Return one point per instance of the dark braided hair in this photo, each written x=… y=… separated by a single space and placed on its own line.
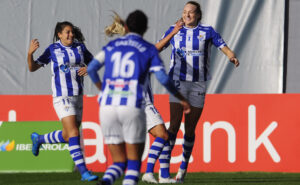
x=198 y=9
x=76 y=31
x=137 y=22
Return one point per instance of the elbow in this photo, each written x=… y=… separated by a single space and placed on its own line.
x=164 y=82
x=158 y=47
x=89 y=69
x=32 y=66
x=31 y=69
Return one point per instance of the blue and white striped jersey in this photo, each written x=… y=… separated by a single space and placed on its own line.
x=190 y=56
x=65 y=62
x=128 y=60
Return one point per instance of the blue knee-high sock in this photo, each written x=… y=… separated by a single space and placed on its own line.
x=188 y=144
x=154 y=152
x=132 y=173
x=52 y=137
x=114 y=172
x=76 y=154
x=164 y=160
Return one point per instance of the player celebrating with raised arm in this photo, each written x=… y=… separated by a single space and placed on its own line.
x=68 y=57
x=160 y=148
x=127 y=61
x=189 y=69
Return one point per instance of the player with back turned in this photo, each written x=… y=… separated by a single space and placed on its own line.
x=127 y=61
x=160 y=148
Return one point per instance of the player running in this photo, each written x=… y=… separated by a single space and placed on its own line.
x=68 y=57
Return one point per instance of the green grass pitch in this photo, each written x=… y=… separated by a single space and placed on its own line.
x=236 y=178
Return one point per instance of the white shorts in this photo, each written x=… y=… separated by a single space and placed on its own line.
x=68 y=106
x=123 y=124
x=153 y=117
x=194 y=92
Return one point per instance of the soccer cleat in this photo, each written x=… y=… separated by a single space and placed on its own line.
x=180 y=175
x=88 y=176
x=167 y=180
x=149 y=178
x=35 y=144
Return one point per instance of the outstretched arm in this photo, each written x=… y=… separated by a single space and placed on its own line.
x=93 y=68
x=231 y=56
x=163 y=42
x=34 y=45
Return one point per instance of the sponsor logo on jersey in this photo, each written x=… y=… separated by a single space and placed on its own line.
x=182 y=52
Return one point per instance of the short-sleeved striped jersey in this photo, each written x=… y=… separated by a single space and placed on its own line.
x=128 y=60
x=190 y=56
x=65 y=62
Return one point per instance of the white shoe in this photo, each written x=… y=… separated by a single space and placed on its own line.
x=180 y=175
x=149 y=178
x=167 y=180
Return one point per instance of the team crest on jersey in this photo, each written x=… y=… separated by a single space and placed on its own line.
x=201 y=37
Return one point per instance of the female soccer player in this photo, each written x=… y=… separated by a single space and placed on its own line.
x=189 y=70
x=127 y=60
x=69 y=57
x=160 y=148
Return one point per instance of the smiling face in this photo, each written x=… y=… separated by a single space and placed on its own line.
x=190 y=16
x=66 y=36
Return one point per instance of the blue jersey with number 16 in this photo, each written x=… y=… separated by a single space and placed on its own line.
x=128 y=60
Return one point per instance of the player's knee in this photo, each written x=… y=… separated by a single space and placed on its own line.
x=70 y=133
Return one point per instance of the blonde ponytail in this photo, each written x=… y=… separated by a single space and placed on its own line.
x=117 y=27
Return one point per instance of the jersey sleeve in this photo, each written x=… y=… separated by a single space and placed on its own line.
x=45 y=58
x=217 y=39
x=156 y=62
x=88 y=57
x=100 y=57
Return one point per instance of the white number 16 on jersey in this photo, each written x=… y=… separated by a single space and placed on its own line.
x=123 y=66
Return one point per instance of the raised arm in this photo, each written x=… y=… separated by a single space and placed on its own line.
x=163 y=42
x=34 y=45
x=231 y=56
